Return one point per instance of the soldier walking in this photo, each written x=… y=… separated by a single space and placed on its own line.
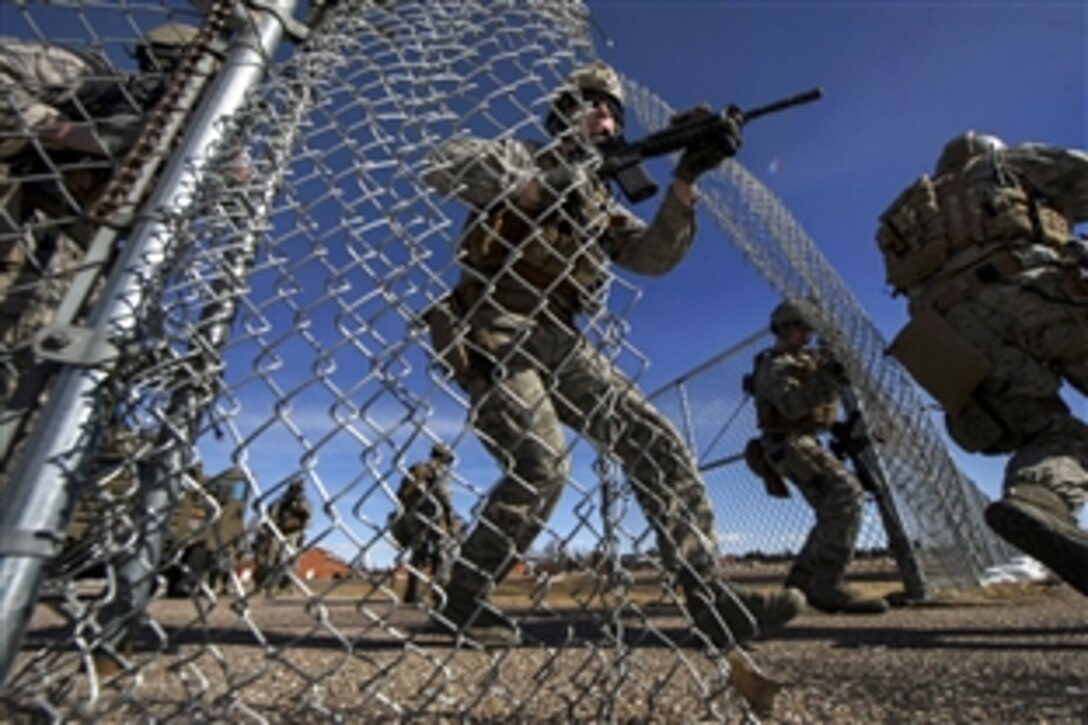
x=425 y=523
x=796 y=391
x=997 y=285
x=535 y=255
x=291 y=514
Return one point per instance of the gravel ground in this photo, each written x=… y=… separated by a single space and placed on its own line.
x=1017 y=655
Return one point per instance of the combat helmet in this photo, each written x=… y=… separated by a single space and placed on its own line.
x=441 y=453
x=792 y=312
x=595 y=79
x=961 y=149
x=162 y=48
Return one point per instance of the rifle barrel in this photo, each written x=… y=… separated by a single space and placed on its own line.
x=813 y=94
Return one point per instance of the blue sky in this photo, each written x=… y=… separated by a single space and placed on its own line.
x=899 y=80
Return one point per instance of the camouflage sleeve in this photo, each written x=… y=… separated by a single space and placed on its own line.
x=27 y=70
x=777 y=383
x=445 y=499
x=1060 y=175
x=656 y=249
x=477 y=171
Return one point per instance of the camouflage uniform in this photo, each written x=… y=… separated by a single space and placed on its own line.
x=36 y=79
x=427 y=525
x=511 y=341
x=43 y=85
x=291 y=514
x=796 y=391
x=985 y=252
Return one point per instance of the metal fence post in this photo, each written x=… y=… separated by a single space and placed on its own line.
x=44 y=484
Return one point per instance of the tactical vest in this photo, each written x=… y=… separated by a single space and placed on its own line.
x=770 y=420
x=292 y=515
x=557 y=255
x=982 y=205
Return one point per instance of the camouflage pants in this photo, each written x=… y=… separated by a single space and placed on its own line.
x=835 y=496
x=1035 y=335
x=273 y=559
x=544 y=376
x=428 y=554
x=35 y=270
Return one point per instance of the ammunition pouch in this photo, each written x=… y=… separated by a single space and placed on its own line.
x=940 y=360
x=946 y=293
x=976 y=430
x=912 y=236
x=757 y=463
x=933 y=220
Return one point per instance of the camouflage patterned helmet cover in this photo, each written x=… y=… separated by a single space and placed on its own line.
x=961 y=149
x=163 y=46
x=441 y=453
x=792 y=312
x=596 y=76
x=593 y=77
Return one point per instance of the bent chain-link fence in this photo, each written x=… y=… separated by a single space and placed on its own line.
x=938 y=510
x=257 y=323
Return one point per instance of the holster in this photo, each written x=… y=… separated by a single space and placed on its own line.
x=757 y=463
x=940 y=360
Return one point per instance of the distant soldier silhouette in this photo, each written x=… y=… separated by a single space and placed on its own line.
x=425 y=523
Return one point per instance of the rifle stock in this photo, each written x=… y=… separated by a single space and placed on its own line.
x=623 y=159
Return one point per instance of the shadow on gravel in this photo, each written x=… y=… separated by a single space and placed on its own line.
x=1057 y=639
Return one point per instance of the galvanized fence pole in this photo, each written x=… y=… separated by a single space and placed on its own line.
x=44 y=485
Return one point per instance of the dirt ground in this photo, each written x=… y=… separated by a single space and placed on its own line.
x=1012 y=654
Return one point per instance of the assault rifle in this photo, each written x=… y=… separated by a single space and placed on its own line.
x=623 y=160
x=848 y=438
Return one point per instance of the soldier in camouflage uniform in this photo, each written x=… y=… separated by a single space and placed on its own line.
x=68 y=110
x=74 y=100
x=425 y=523
x=291 y=513
x=534 y=256
x=796 y=391
x=998 y=290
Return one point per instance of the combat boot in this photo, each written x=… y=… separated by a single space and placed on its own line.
x=477 y=623
x=798 y=578
x=738 y=615
x=837 y=597
x=1037 y=521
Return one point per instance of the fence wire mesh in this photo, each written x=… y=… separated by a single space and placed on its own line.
x=256 y=325
x=938 y=506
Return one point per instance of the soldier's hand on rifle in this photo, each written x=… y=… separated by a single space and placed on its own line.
x=836 y=370
x=703 y=156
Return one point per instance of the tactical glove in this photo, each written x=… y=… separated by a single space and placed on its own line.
x=699 y=158
x=835 y=370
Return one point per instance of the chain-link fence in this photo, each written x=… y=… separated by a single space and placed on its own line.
x=938 y=508
x=219 y=293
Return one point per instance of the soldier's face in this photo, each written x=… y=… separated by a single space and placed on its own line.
x=594 y=117
x=798 y=336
